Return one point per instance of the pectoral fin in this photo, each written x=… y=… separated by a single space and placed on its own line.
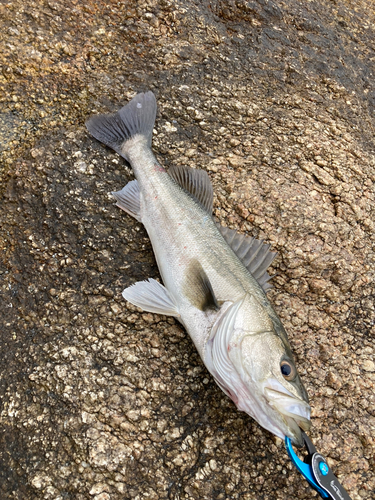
x=152 y=297
x=198 y=288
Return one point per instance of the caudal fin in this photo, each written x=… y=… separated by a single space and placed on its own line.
x=136 y=118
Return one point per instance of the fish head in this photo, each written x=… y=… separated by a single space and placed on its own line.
x=267 y=368
x=255 y=367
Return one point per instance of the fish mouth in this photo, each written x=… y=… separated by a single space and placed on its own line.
x=295 y=412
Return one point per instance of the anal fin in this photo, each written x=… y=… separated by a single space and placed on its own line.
x=128 y=199
x=152 y=297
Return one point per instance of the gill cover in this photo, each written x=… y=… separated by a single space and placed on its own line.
x=244 y=317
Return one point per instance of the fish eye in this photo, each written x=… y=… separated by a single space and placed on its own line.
x=288 y=370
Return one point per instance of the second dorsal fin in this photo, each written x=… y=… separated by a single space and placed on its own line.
x=196 y=182
x=254 y=254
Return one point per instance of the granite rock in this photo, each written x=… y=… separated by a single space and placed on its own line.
x=276 y=101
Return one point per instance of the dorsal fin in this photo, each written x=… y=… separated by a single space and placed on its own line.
x=198 y=288
x=196 y=182
x=253 y=253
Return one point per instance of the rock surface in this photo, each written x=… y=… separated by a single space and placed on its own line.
x=276 y=101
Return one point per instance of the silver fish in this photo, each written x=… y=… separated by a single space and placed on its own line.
x=214 y=279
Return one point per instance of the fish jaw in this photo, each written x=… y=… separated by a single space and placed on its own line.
x=287 y=404
x=294 y=412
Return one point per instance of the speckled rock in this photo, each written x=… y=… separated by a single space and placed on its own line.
x=276 y=101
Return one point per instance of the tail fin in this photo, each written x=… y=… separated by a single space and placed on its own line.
x=136 y=118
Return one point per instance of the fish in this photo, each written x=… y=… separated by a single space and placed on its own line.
x=214 y=280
